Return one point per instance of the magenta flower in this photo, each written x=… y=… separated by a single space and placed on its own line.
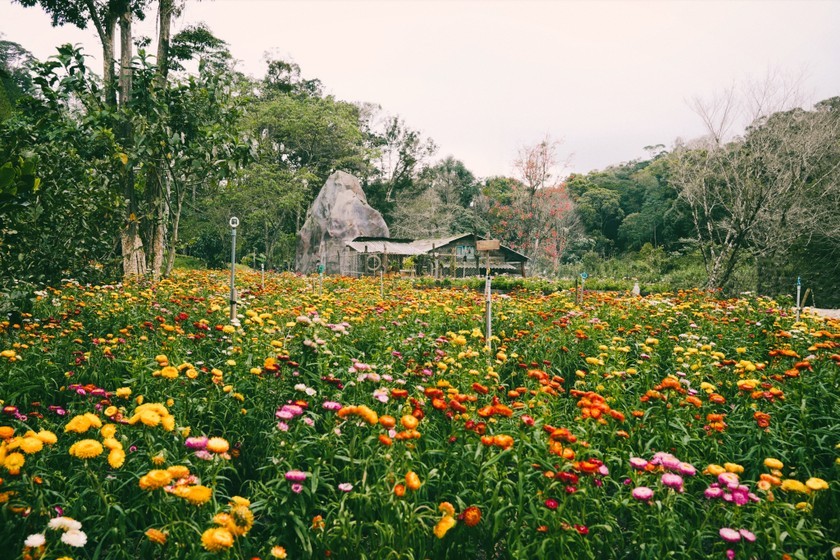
x=730 y=480
x=295 y=476
x=297 y=488
x=196 y=442
x=551 y=503
x=730 y=554
x=730 y=535
x=642 y=493
x=332 y=405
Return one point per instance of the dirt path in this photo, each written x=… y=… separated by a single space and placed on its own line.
x=831 y=313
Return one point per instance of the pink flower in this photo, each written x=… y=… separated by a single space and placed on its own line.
x=749 y=536
x=713 y=492
x=295 y=476
x=730 y=535
x=345 y=486
x=687 y=469
x=642 y=493
x=672 y=480
x=196 y=442
x=730 y=554
x=730 y=480
x=332 y=405
x=297 y=488
x=638 y=463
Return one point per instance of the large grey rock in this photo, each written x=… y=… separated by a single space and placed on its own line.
x=339 y=213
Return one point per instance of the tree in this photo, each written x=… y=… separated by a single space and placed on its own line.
x=58 y=206
x=755 y=194
x=15 y=79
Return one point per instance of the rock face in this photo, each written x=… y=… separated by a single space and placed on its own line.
x=339 y=213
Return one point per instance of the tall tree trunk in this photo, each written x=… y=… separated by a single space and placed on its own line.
x=157 y=192
x=134 y=258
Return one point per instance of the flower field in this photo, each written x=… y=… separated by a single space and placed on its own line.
x=137 y=422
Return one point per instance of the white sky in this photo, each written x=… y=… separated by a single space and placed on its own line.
x=483 y=78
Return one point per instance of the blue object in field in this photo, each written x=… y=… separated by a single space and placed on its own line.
x=584 y=275
x=798 y=280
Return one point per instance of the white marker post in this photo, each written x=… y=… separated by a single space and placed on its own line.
x=234 y=223
x=262 y=275
x=488 y=245
x=798 y=292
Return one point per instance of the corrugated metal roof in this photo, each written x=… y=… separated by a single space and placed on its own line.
x=385 y=247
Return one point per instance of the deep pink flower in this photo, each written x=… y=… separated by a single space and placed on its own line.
x=551 y=503
x=295 y=476
x=297 y=488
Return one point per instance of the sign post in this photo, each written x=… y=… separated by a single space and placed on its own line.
x=234 y=223
x=583 y=277
x=798 y=292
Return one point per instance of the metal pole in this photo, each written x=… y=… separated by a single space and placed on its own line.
x=488 y=316
x=262 y=274
x=381 y=284
x=798 y=291
x=234 y=223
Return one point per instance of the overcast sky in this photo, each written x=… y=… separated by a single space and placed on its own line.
x=483 y=78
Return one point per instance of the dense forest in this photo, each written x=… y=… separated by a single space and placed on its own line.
x=107 y=175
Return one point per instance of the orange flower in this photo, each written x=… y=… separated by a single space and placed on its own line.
x=388 y=421
x=409 y=422
x=472 y=516
x=399 y=490
x=412 y=481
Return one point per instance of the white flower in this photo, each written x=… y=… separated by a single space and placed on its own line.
x=74 y=538
x=310 y=391
x=35 y=540
x=300 y=387
x=65 y=523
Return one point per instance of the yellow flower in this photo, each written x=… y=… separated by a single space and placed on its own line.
x=169 y=372
x=447 y=509
x=108 y=430
x=111 y=411
x=156 y=536
x=278 y=552
x=198 y=495
x=239 y=501
x=82 y=423
x=772 y=463
x=47 y=437
x=179 y=471
x=217 y=445
x=116 y=458
x=31 y=444
x=155 y=478
x=714 y=470
x=13 y=462
x=791 y=485
x=241 y=520
x=216 y=539
x=816 y=484
x=733 y=468
x=6 y=432
x=86 y=449
x=111 y=443
x=444 y=525
x=123 y=392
